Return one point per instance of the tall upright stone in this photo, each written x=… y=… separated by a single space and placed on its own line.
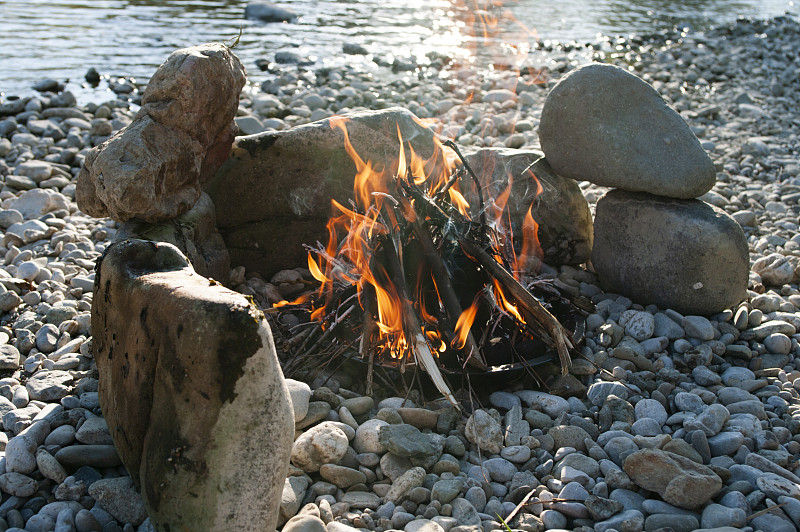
x=192 y=391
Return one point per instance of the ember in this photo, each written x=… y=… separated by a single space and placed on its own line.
x=413 y=275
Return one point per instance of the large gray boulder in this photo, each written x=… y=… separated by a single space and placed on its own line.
x=153 y=169
x=192 y=391
x=274 y=192
x=681 y=254
x=558 y=205
x=602 y=124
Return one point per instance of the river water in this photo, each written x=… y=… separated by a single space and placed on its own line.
x=61 y=39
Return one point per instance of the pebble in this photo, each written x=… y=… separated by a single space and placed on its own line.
x=678 y=523
x=119 y=498
x=367 y=439
x=321 y=444
x=484 y=431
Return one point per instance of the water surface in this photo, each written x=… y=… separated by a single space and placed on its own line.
x=61 y=39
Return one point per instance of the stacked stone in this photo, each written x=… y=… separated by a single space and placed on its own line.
x=174 y=386
x=653 y=241
x=148 y=175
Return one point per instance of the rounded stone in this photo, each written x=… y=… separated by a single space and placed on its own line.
x=10 y=357
x=569 y=436
x=646 y=427
x=319 y=445
x=602 y=123
x=300 y=393
x=650 y=408
x=619 y=448
x=367 y=438
x=358 y=405
x=304 y=523
x=775 y=486
x=774 y=269
x=119 y=497
x=716 y=515
x=28 y=270
x=778 y=343
x=445 y=491
x=483 y=430
x=639 y=325
x=341 y=476
x=679 y=480
x=500 y=469
x=698 y=264
x=689 y=402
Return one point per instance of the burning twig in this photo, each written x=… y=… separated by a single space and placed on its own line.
x=458 y=174
x=419 y=344
x=528 y=304
x=482 y=211
x=442 y=280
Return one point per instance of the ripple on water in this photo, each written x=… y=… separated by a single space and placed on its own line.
x=61 y=39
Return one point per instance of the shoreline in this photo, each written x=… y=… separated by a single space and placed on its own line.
x=737 y=88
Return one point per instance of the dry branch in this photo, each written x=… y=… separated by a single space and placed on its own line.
x=420 y=348
x=441 y=278
x=528 y=304
x=366 y=348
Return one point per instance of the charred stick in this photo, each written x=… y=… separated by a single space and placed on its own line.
x=441 y=277
x=366 y=347
x=339 y=298
x=339 y=319
x=431 y=208
x=458 y=174
x=308 y=338
x=416 y=338
x=452 y=145
x=529 y=305
x=297 y=338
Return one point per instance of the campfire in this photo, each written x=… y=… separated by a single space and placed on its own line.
x=414 y=275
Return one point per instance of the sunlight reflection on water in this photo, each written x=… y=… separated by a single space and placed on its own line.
x=61 y=39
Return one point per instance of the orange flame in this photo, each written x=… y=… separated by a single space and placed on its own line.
x=459 y=201
x=530 y=257
x=531 y=254
x=464 y=323
x=357 y=234
x=507 y=305
x=316 y=273
x=367 y=179
x=304 y=298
